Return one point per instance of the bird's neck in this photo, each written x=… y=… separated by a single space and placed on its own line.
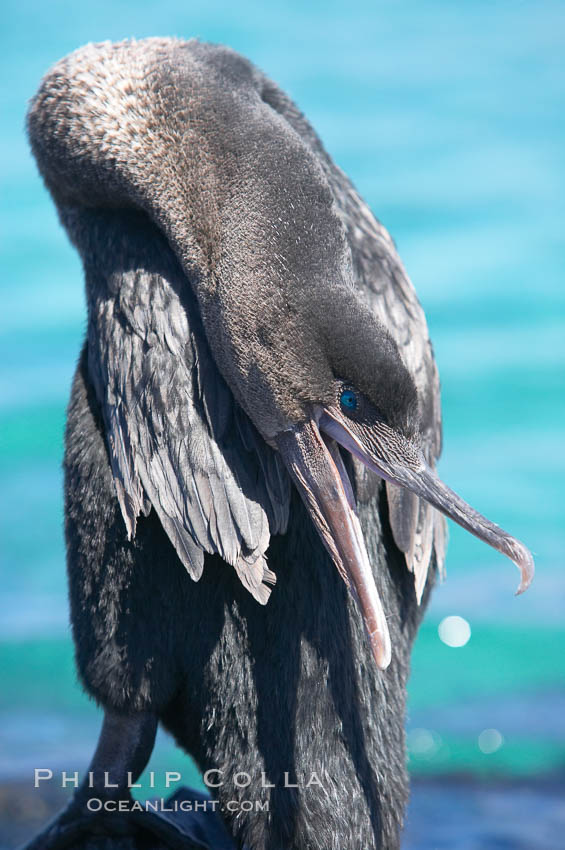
x=235 y=190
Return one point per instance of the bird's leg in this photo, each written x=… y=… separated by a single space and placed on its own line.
x=124 y=747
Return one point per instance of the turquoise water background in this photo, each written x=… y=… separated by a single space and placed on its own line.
x=450 y=119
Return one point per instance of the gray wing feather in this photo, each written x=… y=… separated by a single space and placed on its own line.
x=177 y=439
x=418 y=529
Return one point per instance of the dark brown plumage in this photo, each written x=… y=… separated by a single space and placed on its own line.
x=247 y=317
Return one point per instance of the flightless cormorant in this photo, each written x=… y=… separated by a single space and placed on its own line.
x=256 y=400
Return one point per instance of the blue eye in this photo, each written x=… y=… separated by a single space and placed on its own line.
x=348 y=401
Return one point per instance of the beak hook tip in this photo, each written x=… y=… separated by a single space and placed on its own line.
x=382 y=649
x=525 y=563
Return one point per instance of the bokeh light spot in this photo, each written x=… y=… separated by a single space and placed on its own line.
x=454 y=631
x=490 y=740
x=423 y=743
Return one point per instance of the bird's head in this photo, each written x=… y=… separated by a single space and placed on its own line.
x=362 y=398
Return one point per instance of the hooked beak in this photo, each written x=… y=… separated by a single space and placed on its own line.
x=317 y=469
x=313 y=459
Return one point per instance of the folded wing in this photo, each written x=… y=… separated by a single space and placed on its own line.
x=177 y=439
x=418 y=529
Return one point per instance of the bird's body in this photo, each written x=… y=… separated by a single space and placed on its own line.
x=286 y=688
x=247 y=313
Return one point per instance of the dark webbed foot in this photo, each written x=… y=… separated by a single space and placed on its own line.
x=198 y=827
x=76 y=830
x=189 y=821
x=124 y=747
x=117 y=831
